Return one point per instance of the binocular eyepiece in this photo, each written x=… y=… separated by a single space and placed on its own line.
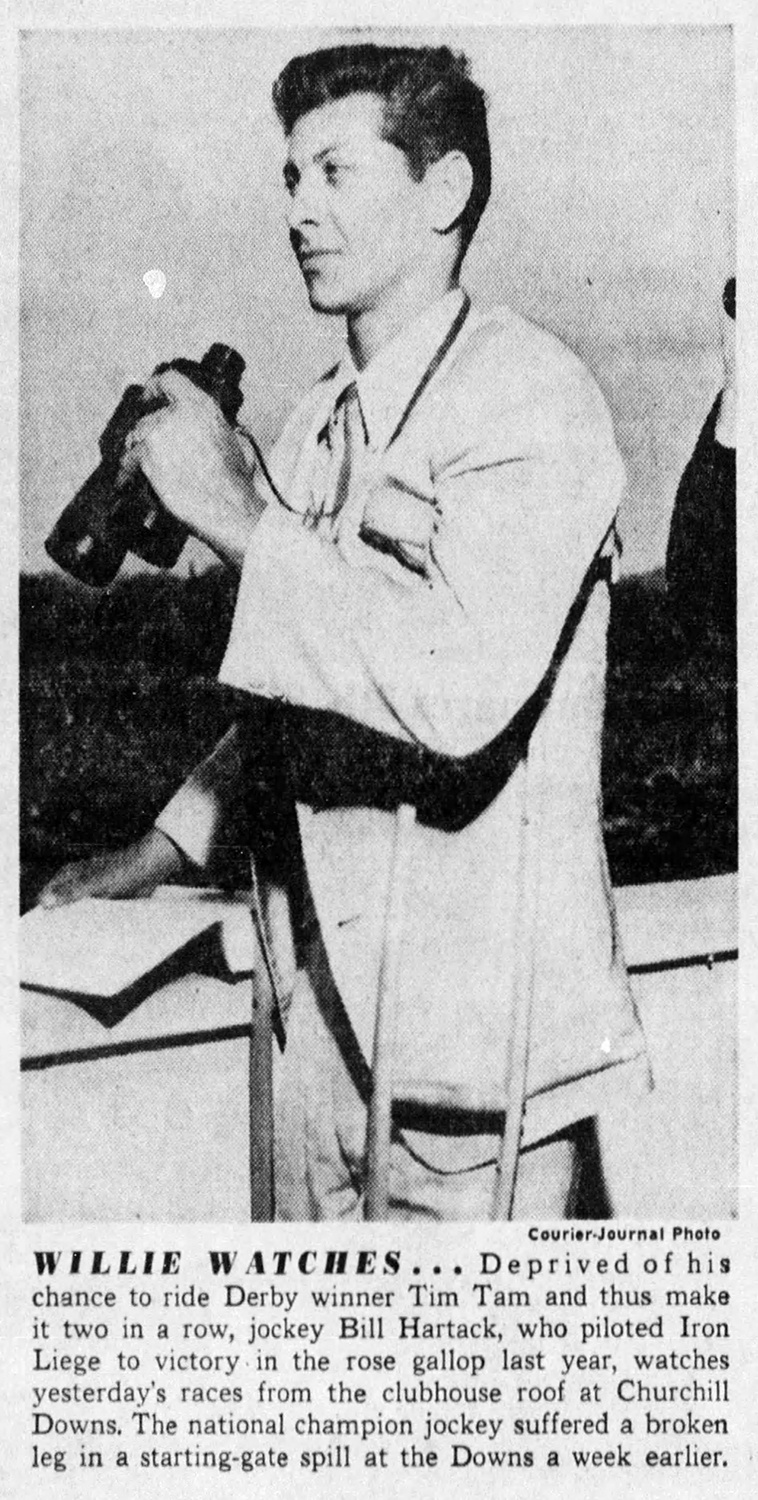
x=108 y=516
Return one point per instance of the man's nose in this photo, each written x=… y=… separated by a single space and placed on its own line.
x=302 y=207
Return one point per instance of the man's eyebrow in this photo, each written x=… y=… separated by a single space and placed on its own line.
x=291 y=170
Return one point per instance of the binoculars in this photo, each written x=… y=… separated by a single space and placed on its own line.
x=110 y=516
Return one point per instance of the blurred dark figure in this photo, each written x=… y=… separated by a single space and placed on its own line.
x=701 y=562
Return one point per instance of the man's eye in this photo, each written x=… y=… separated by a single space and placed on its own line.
x=334 y=171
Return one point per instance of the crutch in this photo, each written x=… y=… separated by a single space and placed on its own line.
x=261 y=1063
x=517 y=1046
x=604 y=563
x=379 y=1130
x=261 y=1101
x=247 y=957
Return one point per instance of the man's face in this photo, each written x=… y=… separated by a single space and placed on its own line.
x=358 y=220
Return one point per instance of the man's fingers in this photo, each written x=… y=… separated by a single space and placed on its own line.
x=50 y=896
x=180 y=390
x=67 y=886
x=101 y=875
x=183 y=413
x=134 y=451
x=145 y=427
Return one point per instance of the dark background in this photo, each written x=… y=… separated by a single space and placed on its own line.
x=119 y=701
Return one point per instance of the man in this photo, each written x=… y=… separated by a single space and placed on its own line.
x=428 y=571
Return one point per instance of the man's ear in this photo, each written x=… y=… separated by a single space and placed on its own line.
x=449 y=182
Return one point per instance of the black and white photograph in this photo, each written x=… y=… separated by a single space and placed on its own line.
x=378 y=624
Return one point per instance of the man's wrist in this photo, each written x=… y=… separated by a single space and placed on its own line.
x=163 y=858
x=230 y=531
x=233 y=538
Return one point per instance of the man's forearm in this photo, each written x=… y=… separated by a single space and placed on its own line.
x=120 y=873
x=229 y=536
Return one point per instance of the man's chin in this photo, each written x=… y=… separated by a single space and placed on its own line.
x=323 y=301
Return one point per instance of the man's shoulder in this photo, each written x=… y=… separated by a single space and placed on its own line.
x=511 y=376
x=518 y=358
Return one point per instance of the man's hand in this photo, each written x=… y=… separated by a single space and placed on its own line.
x=134 y=871
x=201 y=469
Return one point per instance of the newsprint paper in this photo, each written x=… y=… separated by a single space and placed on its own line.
x=378 y=1051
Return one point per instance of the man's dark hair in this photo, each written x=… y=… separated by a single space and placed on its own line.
x=431 y=105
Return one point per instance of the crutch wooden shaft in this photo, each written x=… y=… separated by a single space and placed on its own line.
x=261 y=1102
x=507 y=1170
x=517 y=1051
x=379 y=1133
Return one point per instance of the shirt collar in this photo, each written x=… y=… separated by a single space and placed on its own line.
x=388 y=382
